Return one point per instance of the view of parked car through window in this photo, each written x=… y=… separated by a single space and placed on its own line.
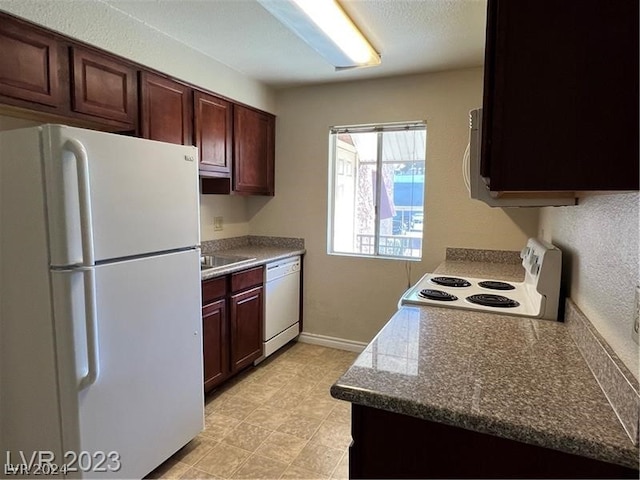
x=376 y=186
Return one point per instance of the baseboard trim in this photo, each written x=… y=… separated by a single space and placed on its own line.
x=332 y=342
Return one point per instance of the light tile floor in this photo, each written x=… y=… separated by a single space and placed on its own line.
x=275 y=420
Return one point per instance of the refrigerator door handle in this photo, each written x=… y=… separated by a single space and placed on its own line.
x=84 y=194
x=91 y=320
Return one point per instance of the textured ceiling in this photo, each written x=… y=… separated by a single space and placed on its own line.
x=413 y=36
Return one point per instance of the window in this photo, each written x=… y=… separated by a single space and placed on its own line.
x=376 y=190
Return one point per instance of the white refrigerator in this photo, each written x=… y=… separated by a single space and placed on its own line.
x=100 y=326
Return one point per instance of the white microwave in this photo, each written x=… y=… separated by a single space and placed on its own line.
x=478 y=186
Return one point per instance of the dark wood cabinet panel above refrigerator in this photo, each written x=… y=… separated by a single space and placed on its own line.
x=165 y=109
x=103 y=87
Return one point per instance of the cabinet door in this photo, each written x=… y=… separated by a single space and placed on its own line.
x=254 y=150
x=246 y=327
x=103 y=86
x=213 y=120
x=392 y=445
x=560 y=101
x=165 y=110
x=28 y=64
x=215 y=343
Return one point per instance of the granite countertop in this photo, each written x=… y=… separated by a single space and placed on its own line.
x=261 y=254
x=261 y=249
x=513 y=377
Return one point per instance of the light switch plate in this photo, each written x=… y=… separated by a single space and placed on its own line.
x=217 y=224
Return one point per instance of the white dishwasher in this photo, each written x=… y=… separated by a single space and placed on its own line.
x=282 y=304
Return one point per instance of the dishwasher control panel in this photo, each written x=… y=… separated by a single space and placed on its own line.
x=282 y=267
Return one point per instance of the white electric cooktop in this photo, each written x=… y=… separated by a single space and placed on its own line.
x=479 y=294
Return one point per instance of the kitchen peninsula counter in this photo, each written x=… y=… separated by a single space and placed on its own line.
x=515 y=378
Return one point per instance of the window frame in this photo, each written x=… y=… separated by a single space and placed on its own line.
x=333 y=157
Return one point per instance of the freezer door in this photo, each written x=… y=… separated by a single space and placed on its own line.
x=129 y=343
x=111 y=196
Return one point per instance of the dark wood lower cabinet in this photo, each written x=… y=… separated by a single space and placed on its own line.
x=246 y=327
x=391 y=445
x=215 y=348
x=215 y=332
x=232 y=316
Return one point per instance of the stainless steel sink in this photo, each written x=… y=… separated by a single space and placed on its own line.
x=215 y=261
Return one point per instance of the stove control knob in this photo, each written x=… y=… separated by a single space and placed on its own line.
x=525 y=251
x=536 y=269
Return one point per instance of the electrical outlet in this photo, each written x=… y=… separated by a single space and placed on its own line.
x=217 y=224
x=636 y=316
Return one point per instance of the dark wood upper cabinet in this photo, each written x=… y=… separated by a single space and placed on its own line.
x=51 y=77
x=103 y=87
x=213 y=123
x=560 y=107
x=29 y=64
x=166 y=113
x=254 y=151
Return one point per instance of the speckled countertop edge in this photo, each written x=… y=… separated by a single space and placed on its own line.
x=610 y=443
x=526 y=413
x=262 y=250
x=558 y=440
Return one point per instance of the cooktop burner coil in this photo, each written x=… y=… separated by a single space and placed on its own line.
x=437 y=295
x=451 y=282
x=495 y=285
x=491 y=300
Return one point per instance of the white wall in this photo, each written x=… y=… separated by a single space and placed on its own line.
x=96 y=23
x=352 y=298
x=232 y=209
x=599 y=241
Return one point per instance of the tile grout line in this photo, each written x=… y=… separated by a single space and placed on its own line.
x=295 y=363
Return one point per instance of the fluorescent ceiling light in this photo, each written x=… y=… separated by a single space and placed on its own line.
x=327 y=29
